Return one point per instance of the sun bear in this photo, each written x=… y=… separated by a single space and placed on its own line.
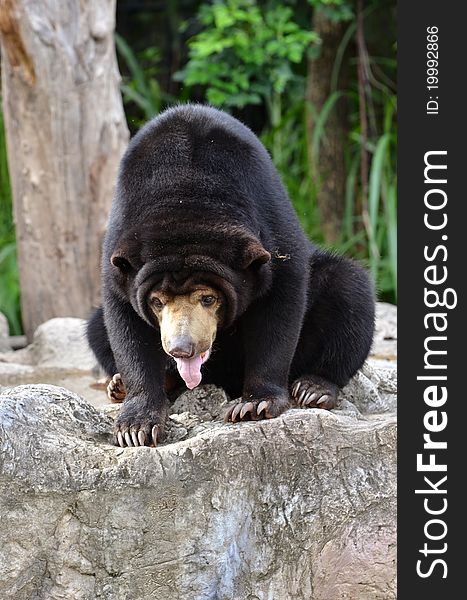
x=207 y=273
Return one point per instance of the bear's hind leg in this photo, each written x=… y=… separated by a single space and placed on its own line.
x=98 y=341
x=337 y=332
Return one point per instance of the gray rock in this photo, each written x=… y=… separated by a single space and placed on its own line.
x=301 y=507
x=4 y=334
x=373 y=390
x=58 y=355
x=59 y=343
x=207 y=401
x=13 y=373
x=385 y=341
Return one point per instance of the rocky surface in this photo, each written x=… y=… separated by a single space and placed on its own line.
x=384 y=348
x=302 y=507
x=58 y=355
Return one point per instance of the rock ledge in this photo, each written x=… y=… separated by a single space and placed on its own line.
x=302 y=507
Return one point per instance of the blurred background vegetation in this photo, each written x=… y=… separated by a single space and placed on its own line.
x=9 y=279
x=315 y=79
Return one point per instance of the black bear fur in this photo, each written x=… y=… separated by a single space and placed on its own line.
x=199 y=200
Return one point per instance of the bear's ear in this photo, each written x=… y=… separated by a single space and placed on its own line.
x=119 y=260
x=254 y=255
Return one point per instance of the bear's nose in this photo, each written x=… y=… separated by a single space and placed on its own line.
x=181 y=347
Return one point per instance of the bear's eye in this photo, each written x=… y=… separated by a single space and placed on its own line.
x=157 y=304
x=207 y=300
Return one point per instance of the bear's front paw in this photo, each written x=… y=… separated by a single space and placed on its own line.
x=139 y=425
x=312 y=391
x=254 y=410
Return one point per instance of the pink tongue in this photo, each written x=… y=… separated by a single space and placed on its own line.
x=190 y=369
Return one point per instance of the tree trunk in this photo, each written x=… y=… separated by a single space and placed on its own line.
x=66 y=132
x=328 y=168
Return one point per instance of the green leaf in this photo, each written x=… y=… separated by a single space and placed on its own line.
x=222 y=17
x=376 y=173
x=216 y=97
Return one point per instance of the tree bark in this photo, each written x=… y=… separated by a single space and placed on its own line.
x=328 y=168
x=66 y=132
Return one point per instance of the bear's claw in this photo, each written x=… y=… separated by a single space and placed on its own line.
x=255 y=410
x=314 y=392
x=249 y=407
x=155 y=433
x=135 y=437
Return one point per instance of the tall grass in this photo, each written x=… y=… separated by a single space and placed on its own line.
x=9 y=281
x=372 y=235
x=291 y=160
x=141 y=88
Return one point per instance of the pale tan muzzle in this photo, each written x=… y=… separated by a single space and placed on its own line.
x=188 y=322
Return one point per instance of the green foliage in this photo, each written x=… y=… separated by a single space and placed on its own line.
x=9 y=290
x=142 y=88
x=382 y=212
x=320 y=123
x=244 y=54
x=247 y=54
x=291 y=160
x=370 y=233
x=9 y=281
x=334 y=10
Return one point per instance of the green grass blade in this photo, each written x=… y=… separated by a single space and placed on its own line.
x=350 y=186
x=131 y=61
x=376 y=173
x=320 y=124
x=391 y=222
x=140 y=100
x=348 y=35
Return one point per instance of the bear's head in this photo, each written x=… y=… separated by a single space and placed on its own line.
x=188 y=285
